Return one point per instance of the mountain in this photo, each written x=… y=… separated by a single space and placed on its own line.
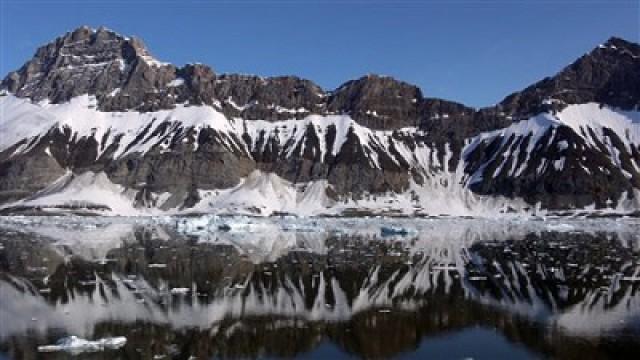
x=94 y=122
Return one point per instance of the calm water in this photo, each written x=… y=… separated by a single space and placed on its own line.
x=451 y=289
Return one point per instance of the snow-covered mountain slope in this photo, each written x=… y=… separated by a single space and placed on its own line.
x=580 y=151
x=166 y=139
x=323 y=141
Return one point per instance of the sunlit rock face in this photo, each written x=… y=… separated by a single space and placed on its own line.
x=94 y=109
x=242 y=291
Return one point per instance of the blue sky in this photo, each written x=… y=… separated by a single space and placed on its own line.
x=472 y=51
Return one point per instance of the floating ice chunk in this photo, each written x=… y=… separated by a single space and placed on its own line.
x=241 y=225
x=390 y=230
x=224 y=227
x=195 y=225
x=212 y=223
x=297 y=227
x=180 y=291
x=560 y=227
x=477 y=278
x=157 y=266
x=76 y=345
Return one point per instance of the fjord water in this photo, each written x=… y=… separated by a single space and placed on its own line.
x=321 y=288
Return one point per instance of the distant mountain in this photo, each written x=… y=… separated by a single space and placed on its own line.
x=94 y=122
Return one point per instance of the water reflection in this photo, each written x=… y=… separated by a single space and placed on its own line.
x=533 y=289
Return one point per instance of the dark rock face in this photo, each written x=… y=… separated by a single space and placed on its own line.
x=377 y=102
x=23 y=175
x=181 y=170
x=278 y=98
x=123 y=76
x=554 y=175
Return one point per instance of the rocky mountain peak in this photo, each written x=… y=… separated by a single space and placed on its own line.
x=123 y=75
x=616 y=43
x=88 y=61
x=374 y=85
x=609 y=74
x=378 y=101
x=87 y=46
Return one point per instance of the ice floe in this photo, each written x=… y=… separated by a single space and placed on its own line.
x=76 y=345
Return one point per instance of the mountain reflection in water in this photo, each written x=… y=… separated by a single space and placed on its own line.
x=456 y=288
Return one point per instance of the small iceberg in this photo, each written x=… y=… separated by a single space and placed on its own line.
x=296 y=227
x=389 y=230
x=195 y=225
x=157 y=266
x=561 y=227
x=76 y=345
x=241 y=225
x=180 y=291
